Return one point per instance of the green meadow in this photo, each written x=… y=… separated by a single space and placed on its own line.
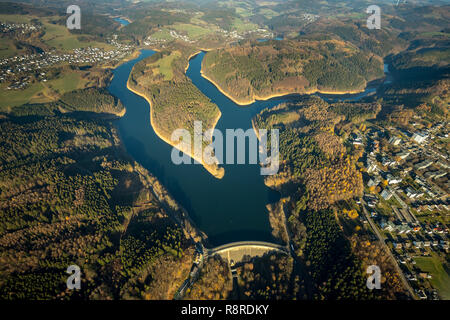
x=440 y=278
x=194 y=32
x=11 y=98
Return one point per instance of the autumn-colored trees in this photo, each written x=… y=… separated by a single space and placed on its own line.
x=340 y=181
x=69 y=195
x=334 y=268
x=311 y=152
x=267 y=277
x=214 y=283
x=263 y=69
x=372 y=253
x=321 y=171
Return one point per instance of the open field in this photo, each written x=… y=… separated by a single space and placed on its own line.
x=193 y=31
x=7 y=49
x=52 y=35
x=162 y=35
x=59 y=37
x=42 y=92
x=68 y=82
x=435 y=34
x=268 y=13
x=242 y=8
x=15 y=98
x=242 y=26
x=16 y=18
x=441 y=279
x=56 y=36
x=164 y=65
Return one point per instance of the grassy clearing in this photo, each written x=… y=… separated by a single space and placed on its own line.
x=243 y=12
x=268 y=13
x=41 y=92
x=199 y=22
x=7 y=49
x=164 y=65
x=435 y=34
x=15 y=18
x=193 y=31
x=441 y=279
x=268 y=3
x=162 y=35
x=242 y=8
x=11 y=98
x=68 y=82
x=287 y=118
x=57 y=36
x=434 y=56
x=242 y=26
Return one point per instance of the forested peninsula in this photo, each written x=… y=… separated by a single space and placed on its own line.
x=263 y=70
x=175 y=103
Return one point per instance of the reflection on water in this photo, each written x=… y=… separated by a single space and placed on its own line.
x=122 y=21
x=229 y=209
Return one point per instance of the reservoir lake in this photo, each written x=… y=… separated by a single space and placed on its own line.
x=229 y=209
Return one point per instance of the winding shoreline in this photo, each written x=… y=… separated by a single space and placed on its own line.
x=192 y=56
x=275 y=95
x=217 y=172
x=121 y=113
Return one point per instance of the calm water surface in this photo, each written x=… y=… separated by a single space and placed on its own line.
x=229 y=209
x=122 y=21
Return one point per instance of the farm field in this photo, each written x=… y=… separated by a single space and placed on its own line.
x=7 y=49
x=56 y=36
x=59 y=37
x=42 y=92
x=164 y=65
x=11 y=98
x=441 y=279
x=193 y=31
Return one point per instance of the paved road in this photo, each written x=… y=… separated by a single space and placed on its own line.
x=382 y=239
x=192 y=277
